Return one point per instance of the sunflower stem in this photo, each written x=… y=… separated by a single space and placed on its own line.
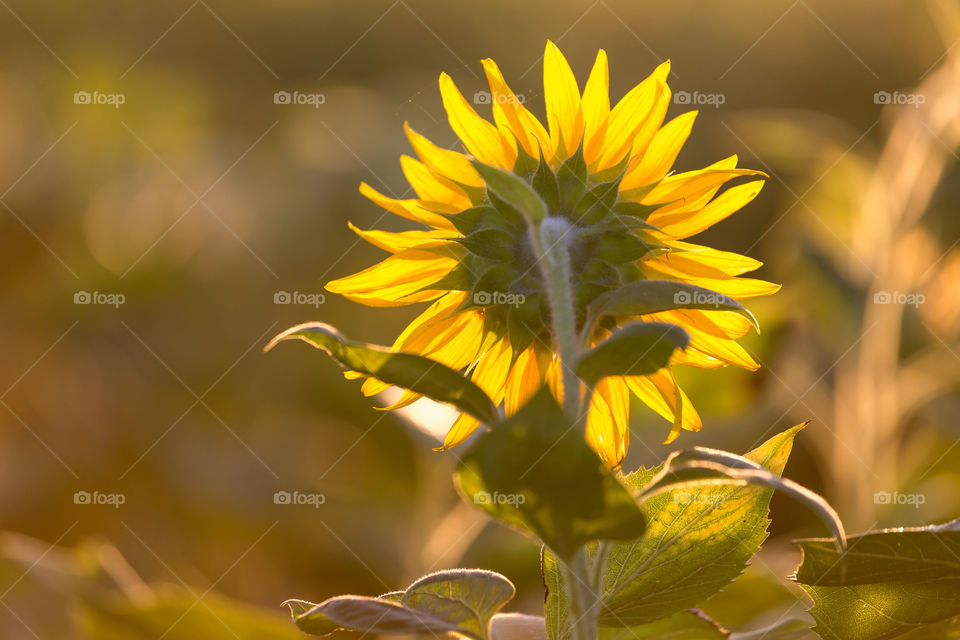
x=553 y=253
x=582 y=601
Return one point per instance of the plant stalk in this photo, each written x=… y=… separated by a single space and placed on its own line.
x=553 y=256
x=582 y=609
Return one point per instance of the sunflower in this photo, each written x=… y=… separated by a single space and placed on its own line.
x=608 y=171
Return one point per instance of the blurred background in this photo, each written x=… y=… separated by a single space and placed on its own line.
x=175 y=183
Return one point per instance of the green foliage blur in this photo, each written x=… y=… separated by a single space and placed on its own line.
x=187 y=212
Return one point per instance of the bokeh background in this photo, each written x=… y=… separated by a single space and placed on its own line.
x=200 y=198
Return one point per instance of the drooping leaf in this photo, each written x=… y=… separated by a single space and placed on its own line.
x=654 y=296
x=536 y=473
x=698 y=539
x=460 y=601
x=887 y=583
x=637 y=349
x=513 y=190
x=695 y=466
x=409 y=371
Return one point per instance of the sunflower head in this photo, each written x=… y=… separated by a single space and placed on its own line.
x=603 y=177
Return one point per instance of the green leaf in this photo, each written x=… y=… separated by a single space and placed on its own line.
x=637 y=349
x=685 y=625
x=416 y=373
x=653 y=296
x=698 y=539
x=536 y=473
x=700 y=464
x=513 y=190
x=369 y=615
x=886 y=583
x=461 y=601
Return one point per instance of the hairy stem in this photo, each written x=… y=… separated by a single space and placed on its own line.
x=582 y=609
x=553 y=256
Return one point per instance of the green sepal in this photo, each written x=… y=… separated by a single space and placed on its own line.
x=572 y=181
x=494 y=244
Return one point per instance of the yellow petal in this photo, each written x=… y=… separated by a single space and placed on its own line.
x=695 y=260
x=596 y=108
x=446 y=162
x=721 y=348
x=640 y=111
x=562 y=97
x=608 y=432
x=691 y=190
x=396 y=242
x=660 y=155
x=406 y=399
x=490 y=375
x=431 y=187
x=661 y=393
x=687 y=223
x=440 y=310
x=461 y=429
x=452 y=340
x=693 y=358
x=398 y=280
x=723 y=324
x=481 y=138
x=523 y=381
x=491 y=371
x=512 y=117
x=409 y=209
